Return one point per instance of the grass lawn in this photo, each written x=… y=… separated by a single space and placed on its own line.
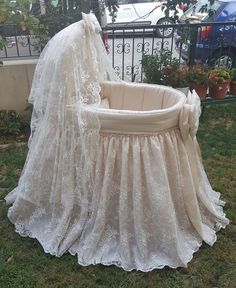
x=24 y=264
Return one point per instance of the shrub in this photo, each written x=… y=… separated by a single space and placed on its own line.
x=11 y=123
x=198 y=75
x=232 y=73
x=161 y=68
x=218 y=76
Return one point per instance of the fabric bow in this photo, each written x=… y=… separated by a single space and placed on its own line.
x=189 y=116
x=91 y=23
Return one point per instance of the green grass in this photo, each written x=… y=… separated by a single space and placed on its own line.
x=23 y=264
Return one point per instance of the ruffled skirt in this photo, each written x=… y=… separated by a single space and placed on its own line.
x=147 y=209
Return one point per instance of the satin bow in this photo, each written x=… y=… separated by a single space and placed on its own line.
x=189 y=116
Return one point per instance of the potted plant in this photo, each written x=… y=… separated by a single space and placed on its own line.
x=198 y=78
x=219 y=79
x=183 y=79
x=151 y=65
x=154 y=66
x=176 y=76
x=161 y=68
x=232 y=86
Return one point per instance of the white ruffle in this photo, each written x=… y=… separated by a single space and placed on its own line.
x=144 y=214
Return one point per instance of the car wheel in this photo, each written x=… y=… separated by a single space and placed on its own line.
x=223 y=59
x=164 y=32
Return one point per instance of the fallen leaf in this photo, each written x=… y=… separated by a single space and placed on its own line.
x=10 y=259
x=17 y=172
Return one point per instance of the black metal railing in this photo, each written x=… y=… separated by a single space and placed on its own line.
x=17 y=44
x=212 y=43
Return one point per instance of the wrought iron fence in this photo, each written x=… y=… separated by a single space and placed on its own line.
x=212 y=43
x=17 y=44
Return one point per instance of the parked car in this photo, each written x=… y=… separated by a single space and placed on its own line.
x=216 y=43
x=143 y=12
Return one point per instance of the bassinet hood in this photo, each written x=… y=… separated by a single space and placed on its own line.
x=68 y=73
x=69 y=70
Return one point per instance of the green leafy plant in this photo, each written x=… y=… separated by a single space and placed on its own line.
x=11 y=123
x=28 y=18
x=112 y=8
x=161 y=68
x=176 y=75
x=217 y=76
x=232 y=73
x=157 y=66
x=198 y=74
x=153 y=64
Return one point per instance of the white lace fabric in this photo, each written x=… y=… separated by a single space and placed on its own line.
x=138 y=201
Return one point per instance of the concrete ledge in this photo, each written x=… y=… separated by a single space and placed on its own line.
x=21 y=61
x=15 y=83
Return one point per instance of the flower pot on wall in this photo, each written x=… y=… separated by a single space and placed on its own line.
x=219 y=91
x=201 y=90
x=232 y=88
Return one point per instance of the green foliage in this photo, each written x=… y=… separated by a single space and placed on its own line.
x=218 y=75
x=172 y=5
x=176 y=76
x=11 y=123
x=17 y=12
x=112 y=8
x=198 y=74
x=232 y=73
x=19 y=17
x=28 y=18
x=154 y=66
x=161 y=68
x=151 y=65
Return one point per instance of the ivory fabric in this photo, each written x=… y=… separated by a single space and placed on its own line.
x=154 y=205
x=146 y=202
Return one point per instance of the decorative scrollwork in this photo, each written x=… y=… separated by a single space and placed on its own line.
x=132 y=71
x=166 y=44
x=143 y=47
x=36 y=48
x=10 y=42
x=129 y=70
x=123 y=48
x=159 y=45
x=23 y=41
x=117 y=70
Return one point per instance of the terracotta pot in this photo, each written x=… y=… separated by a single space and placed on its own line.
x=219 y=91
x=232 y=88
x=201 y=90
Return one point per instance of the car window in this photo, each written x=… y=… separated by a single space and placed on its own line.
x=201 y=9
x=229 y=12
x=142 y=1
x=120 y=2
